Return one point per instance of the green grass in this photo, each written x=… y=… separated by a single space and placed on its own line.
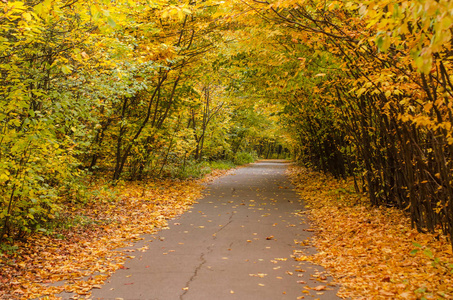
x=199 y=169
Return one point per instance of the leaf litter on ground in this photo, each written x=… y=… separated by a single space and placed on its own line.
x=372 y=252
x=82 y=257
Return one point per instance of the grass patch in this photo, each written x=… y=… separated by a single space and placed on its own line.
x=194 y=169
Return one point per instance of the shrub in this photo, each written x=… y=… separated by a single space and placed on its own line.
x=243 y=158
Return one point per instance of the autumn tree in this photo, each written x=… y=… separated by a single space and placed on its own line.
x=368 y=92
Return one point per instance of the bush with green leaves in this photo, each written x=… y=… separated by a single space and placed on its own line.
x=243 y=158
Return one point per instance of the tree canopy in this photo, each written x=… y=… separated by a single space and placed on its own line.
x=138 y=89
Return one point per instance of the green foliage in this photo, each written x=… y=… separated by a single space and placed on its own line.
x=197 y=169
x=435 y=261
x=7 y=249
x=192 y=169
x=222 y=164
x=243 y=158
x=90 y=86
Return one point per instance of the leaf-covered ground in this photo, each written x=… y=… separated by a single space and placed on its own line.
x=372 y=252
x=84 y=255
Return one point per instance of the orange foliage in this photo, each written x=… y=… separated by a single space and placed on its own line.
x=82 y=257
x=372 y=252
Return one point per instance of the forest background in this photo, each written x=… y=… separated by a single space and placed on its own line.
x=135 y=90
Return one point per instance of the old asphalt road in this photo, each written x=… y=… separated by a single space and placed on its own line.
x=236 y=243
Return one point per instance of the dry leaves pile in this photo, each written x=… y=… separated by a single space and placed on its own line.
x=82 y=257
x=372 y=252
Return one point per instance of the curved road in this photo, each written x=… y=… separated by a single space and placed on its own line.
x=236 y=243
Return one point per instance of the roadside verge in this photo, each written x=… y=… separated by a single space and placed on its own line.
x=372 y=251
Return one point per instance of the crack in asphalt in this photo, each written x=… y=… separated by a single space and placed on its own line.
x=202 y=257
x=230 y=219
x=195 y=273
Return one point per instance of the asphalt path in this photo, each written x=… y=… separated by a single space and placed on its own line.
x=238 y=242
